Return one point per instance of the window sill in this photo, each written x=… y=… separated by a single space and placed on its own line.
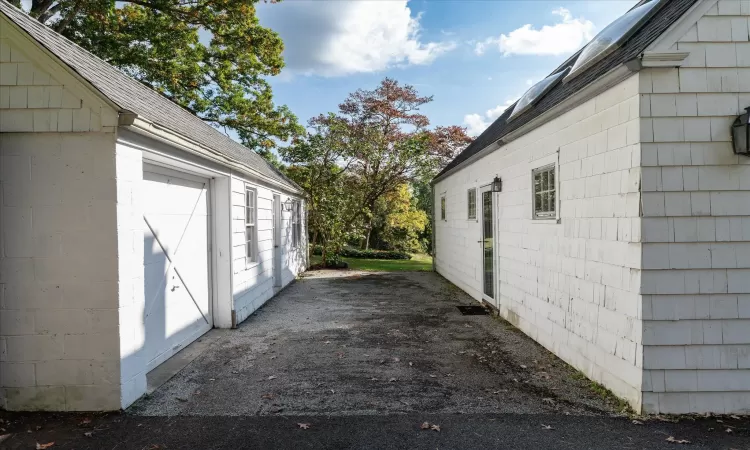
x=546 y=220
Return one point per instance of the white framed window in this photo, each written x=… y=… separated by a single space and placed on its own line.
x=251 y=215
x=544 y=192
x=442 y=208
x=296 y=223
x=471 y=203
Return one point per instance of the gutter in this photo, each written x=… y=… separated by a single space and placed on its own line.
x=611 y=78
x=159 y=133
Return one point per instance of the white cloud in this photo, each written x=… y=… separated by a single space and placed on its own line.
x=334 y=38
x=567 y=36
x=476 y=123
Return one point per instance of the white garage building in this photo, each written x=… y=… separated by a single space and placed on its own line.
x=128 y=226
x=618 y=235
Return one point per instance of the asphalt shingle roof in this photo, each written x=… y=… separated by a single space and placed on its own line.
x=129 y=94
x=667 y=14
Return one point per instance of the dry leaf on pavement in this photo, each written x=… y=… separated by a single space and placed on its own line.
x=677 y=441
x=43 y=446
x=637 y=422
x=304 y=426
x=547 y=427
x=272 y=377
x=88 y=434
x=267 y=396
x=425 y=426
x=435 y=427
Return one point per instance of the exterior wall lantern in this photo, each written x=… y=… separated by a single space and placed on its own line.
x=287 y=205
x=497 y=184
x=741 y=134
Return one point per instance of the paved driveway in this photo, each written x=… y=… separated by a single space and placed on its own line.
x=344 y=343
x=365 y=359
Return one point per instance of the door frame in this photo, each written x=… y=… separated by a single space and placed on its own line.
x=480 y=209
x=168 y=170
x=278 y=219
x=219 y=229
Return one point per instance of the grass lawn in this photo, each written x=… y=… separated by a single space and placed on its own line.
x=416 y=263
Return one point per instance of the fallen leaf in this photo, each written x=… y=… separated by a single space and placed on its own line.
x=182 y=399
x=547 y=427
x=85 y=421
x=548 y=400
x=273 y=357
x=411 y=364
x=88 y=434
x=735 y=417
x=677 y=441
x=272 y=377
x=523 y=366
x=396 y=359
x=304 y=426
x=43 y=446
x=212 y=379
x=425 y=426
x=637 y=422
x=392 y=380
x=729 y=430
x=719 y=420
x=435 y=428
x=433 y=376
x=327 y=342
x=267 y=396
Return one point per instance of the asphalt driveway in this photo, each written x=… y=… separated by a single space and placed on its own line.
x=343 y=343
x=347 y=360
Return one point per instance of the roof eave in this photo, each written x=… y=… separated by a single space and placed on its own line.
x=611 y=78
x=155 y=131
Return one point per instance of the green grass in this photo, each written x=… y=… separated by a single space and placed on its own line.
x=416 y=263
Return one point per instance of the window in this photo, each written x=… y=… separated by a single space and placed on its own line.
x=615 y=33
x=296 y=222
x=545 y=198
x=472 y=203
x=536 y=92
x=442 y=208
x=250 y=228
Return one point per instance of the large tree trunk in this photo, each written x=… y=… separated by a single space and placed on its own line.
x=367 y=241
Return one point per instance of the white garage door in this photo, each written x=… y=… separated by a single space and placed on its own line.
x=175 y=260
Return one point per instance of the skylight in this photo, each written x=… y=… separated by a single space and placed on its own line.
x=608 y=40
x=535 y=92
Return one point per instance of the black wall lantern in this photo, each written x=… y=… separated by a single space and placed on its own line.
x=741 y=134
x=497 y=184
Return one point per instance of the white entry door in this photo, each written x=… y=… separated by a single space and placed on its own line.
x=175 y=261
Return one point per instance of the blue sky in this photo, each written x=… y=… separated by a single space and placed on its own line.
x=474 y=57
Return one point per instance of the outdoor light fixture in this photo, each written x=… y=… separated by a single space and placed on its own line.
x=741 y=134
x=287 y=205
x=497 y=184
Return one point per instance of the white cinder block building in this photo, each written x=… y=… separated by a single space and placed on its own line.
x=620 y=237
x=128 y=227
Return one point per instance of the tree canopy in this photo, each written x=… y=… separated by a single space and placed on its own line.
x=212 y=57
x=364 y=159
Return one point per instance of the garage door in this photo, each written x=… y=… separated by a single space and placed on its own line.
x=175 y=261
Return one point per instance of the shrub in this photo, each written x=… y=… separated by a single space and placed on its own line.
x=367 y=254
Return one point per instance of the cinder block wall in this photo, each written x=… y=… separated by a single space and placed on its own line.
x=573 y=286
x=58 y=239
x=696 y=222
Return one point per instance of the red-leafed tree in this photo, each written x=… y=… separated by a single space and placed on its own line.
x=383 y=141
x=395 y=144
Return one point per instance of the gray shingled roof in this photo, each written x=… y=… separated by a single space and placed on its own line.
x=131 y=95
x=667 y=14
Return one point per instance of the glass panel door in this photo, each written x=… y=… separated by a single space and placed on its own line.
x=488 y=245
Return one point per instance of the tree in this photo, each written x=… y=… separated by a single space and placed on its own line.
x=319 y=163
x=393 y=143
x=212 y=57
x=398 y=223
